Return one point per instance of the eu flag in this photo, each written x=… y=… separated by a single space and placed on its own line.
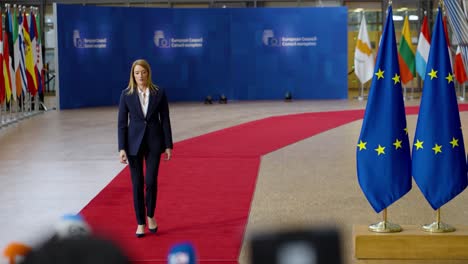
x=383 y=151
x=439 y=163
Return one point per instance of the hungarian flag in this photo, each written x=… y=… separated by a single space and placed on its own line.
x=406 y=54
x=459 y=67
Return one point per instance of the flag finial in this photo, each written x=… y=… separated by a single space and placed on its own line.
x=389 y=2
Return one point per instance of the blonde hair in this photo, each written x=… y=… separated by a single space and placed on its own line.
x=132 y=85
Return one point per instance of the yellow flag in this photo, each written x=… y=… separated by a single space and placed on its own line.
x=30 y=73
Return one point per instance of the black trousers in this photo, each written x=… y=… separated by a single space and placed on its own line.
x=140 y=180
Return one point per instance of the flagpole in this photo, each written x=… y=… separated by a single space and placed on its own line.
x=30 y=97
x=412 y=93
x=1 y=117
x=426 y=168
x=22 y=104
x=438 y=226
x=12 y=118
x=384 y=226
x=4 y=116
x=7 y=115
x=387 y=59
x=461 y=88
x=404 y=91
x=361 y=96
x=17 y=117
x=463 y=92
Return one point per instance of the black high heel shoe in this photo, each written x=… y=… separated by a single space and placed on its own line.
x=152 y=230
x=139 y=235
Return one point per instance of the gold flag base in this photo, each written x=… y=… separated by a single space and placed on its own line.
x=410 y=246
x=385 y=227
x=438 y=227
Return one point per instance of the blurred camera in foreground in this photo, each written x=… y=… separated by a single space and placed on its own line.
x=183 y=253
x=71 y=226
x=296 y=247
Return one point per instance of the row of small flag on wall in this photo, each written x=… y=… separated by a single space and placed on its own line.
x=437 y=160
x=21 y=63
x=412 y=61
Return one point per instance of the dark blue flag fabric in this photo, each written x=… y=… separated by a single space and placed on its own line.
x=439 y=162
x=383 y=151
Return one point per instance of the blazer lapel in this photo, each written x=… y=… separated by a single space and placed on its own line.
x=154 y=99
x=136 y=100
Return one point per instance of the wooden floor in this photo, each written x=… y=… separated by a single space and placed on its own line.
x=55 y=162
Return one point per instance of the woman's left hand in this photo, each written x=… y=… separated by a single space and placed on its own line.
x=168 y=154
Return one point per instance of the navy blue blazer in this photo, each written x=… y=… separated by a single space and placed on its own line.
x=132 y=124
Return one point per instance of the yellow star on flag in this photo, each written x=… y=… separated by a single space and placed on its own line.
x=397 y=143
x=406 y=130
x=379 y=74
x=380 y=150
x=449 y=78
x=396 y=79
x=437 y=149
x=362 y=145
x=433 y=74
x=454 y=142
x=419 y=144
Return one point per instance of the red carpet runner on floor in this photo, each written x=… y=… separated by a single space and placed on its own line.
x=205 y=191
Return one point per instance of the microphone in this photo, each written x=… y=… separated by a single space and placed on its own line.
x=182 y=253
x=71 y=226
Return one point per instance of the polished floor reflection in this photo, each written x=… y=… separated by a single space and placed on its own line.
x=56 y=162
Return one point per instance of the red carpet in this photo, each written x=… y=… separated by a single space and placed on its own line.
x=205 y=191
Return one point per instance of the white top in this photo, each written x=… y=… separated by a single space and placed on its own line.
x=144 y=98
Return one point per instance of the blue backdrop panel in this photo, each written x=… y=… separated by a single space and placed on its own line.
x=243 y=53
x=301 y=50
x=190 y=53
